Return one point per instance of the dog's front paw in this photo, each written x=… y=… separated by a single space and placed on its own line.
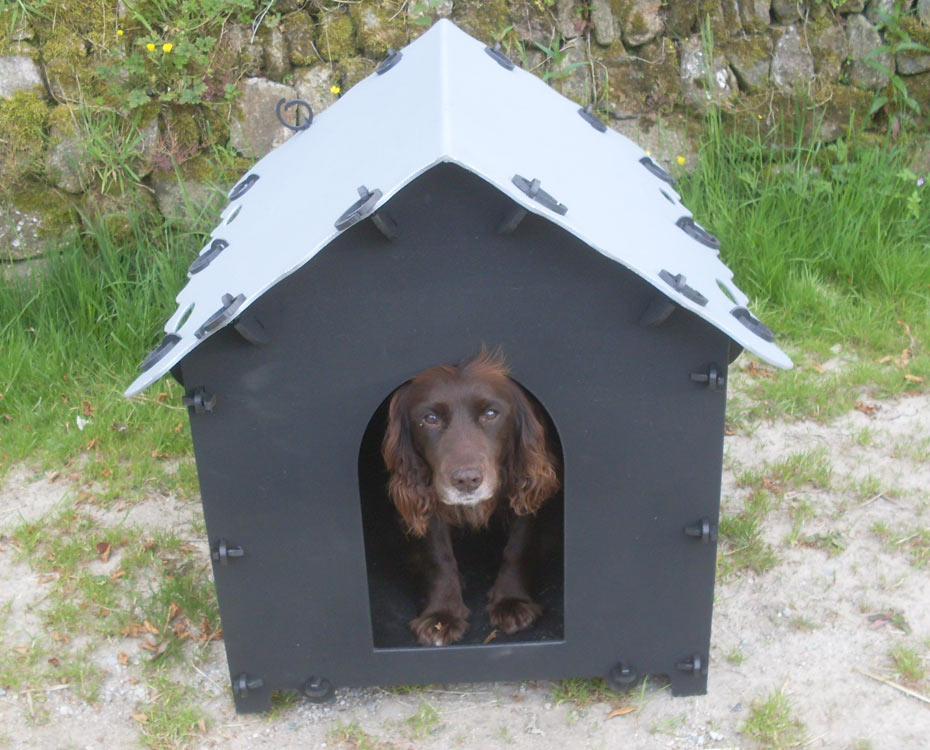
x=438 y=628
x=513 y=614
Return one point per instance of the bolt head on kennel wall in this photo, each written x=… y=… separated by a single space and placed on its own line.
x=449 y=201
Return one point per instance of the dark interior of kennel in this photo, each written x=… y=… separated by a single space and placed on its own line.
x=278 y=454
x=393 y=590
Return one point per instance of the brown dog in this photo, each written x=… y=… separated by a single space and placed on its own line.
x=463 y=443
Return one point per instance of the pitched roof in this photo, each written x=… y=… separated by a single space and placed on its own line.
x=448 y=98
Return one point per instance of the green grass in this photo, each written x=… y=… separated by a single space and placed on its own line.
x=831 y=542
x=741 y=533
x=107 y=583
x=831 y=244
x=772 y=724
x=914 y=542
x=423 y=723
x=72 y=338
x=735 y=656
x=744 y=547
x=826 y=239
x=351 y=735
x=792 y=472
x=585 y=691
x=172 y=718
x=909 y=664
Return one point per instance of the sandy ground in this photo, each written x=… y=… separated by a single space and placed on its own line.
x=810 y=627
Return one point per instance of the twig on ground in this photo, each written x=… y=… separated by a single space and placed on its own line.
x=879 y=496
x=208 y=678
x=45 y=690
x=895 y=685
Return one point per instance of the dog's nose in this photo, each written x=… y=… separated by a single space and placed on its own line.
x=467 y=480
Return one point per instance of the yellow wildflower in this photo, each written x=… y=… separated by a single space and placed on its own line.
x=167 y=47
x=334 y=89
x=150 y=47
x=119 y=32
x=681 y=160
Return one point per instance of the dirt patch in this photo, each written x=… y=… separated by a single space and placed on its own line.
x=846 y=502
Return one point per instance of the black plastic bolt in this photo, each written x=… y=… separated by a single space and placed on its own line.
x=243 y=684
x=703 y=530
x=714 y=379
x=200 y=401
x=498 y=54
x=318 y=689
x=693 y=664
x=393 y=57
x=223 y=552
x=621 y=674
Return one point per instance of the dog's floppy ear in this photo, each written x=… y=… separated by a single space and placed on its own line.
x=531 y=468
x=410 y=483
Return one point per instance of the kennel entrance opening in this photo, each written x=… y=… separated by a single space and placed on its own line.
x=393 y=583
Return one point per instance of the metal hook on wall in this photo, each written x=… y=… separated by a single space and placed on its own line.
x=290 y=105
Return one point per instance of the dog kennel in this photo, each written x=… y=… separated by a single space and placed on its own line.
x=492 y=211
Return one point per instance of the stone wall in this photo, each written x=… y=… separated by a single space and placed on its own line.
x=102 y=115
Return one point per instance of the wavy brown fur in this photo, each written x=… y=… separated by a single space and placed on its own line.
x=528 y=474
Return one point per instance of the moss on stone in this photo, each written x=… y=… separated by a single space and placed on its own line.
x=182 y=131
x=23 y=120
x=215 y=127
x=681 y=17
x=829 y=47
x=486 y=19
x=200 y=169
x=336 y=36
x=206 y=170
x=23 y=49
x=298 y=30
x=918 y=88
x=749 y=58
x=94 y=22
x=844 y=106
x=632 y=22
x=916 y=31
x=647 y=82
x=352 y=70
x=70 y=71
x=117 y=211
x=709 y=11
x=61 y=120
x=378 y=28
x=56 y=210
x=74 y=41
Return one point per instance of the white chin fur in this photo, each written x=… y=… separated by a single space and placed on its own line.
x=454 y=497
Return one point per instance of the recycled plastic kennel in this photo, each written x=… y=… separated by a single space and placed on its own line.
x=492 y=211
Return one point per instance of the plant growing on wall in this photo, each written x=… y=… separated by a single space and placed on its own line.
x=167 y=48
x=901 y=106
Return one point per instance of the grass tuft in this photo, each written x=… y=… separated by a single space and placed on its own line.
x=909 y=664
x=772 y=724
x=423 y=723
x=585 y=691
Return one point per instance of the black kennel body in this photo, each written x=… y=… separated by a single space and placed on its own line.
x=286 y=390
x=278 y=455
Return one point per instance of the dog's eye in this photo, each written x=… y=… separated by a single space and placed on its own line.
x=431 y=418
x=490 y=415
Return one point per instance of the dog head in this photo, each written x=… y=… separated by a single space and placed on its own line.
x=463 y=436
